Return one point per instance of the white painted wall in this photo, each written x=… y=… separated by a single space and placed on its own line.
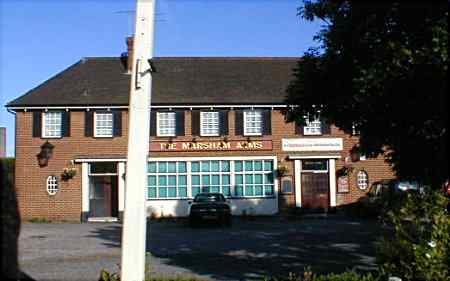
x=180 y=208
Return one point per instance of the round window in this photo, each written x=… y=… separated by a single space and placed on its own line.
x=362 y=180
x=52 y=185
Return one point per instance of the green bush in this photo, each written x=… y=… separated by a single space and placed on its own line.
x=345 y=276
x=418 y=247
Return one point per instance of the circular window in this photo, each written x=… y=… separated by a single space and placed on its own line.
x=362 y=180
x=52 y=185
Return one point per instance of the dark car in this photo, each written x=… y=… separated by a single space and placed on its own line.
x=209 y=207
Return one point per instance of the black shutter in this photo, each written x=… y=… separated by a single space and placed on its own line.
x=239 y=123
x=298 y=129
x=117 y=123
x=179 y=119
x=66 y=123
x=89 y=123
x=326 y=130
x=267 y=122
x=223 y=122
x=37 y=124
x=153 y=123
x=195 y=118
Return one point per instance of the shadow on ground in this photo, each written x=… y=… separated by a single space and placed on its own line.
x=251 y=249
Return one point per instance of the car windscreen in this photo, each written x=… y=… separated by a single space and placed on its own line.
x=209 y=198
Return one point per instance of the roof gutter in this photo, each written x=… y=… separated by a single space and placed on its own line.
x=272 y=106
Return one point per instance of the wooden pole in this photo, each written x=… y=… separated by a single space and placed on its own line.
x=134 y=224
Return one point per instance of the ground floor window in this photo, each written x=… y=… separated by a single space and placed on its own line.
x=232 y=178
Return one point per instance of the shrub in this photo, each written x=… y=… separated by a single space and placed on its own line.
x=418 y=248
x=309 y=276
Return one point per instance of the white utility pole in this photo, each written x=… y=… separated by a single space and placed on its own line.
x=135 y=219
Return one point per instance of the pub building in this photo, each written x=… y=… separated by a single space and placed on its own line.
x=217 y=125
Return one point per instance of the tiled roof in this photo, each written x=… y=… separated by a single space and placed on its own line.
x=176 y=81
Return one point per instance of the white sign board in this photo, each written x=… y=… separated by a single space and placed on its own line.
x=312 y=144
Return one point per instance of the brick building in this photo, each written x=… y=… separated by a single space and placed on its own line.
x=217 y=125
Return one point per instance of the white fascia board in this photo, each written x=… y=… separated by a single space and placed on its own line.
x=153 y=106
x=197 y=158
x=314 y=157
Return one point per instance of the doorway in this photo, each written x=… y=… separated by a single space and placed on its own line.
x=315 y=184
x=103 y=190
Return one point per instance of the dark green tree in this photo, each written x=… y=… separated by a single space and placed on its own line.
x=380 y=66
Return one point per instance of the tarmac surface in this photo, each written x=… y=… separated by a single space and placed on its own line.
x=249 y=250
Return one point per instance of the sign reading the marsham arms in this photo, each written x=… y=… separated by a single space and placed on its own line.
x=212 y=146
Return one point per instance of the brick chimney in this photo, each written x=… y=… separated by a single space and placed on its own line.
x=129 y=57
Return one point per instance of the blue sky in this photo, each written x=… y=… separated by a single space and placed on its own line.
x=38 y=39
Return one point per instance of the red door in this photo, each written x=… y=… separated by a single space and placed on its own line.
x=315 y=190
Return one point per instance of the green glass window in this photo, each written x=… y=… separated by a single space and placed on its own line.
x=195 y=167
x=162 y=167
x=215 y=166
x=225 y=166
x=151 y=180
x=182 y=180
x=258 y=190
x=268 y=190
x=172 y=191
x=162 y=192
x=248 y=179
x=205 y=166
x=151 y=168
x=226 y=180
x=182 y=167
x=226 y=190
x=195 y=180
x=195 y=190
x=162 y=180
x=239 y=190
x=238 y=166
x=258 y=179
x=249 y=165
x=239 y=179
x=205 y=180
x=152 y=192
x=182 y=191
x=171 y=167
x=268 y=166
x=258 y=165
x=249 y=190
x=173 y=180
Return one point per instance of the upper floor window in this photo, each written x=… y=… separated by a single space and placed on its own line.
x=209 y=123
x=103 y=124
x=313 y=127
x=253 y=123
x=166 y=124
x=52 y=124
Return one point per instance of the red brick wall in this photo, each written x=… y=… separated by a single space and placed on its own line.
x=66 y=204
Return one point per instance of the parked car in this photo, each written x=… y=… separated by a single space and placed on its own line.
x=208 y=207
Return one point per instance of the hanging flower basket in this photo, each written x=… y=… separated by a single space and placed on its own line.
x=281 y=171
x=344 y=171
x=68 y=173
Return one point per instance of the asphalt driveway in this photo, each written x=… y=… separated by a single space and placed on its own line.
x=248 y=250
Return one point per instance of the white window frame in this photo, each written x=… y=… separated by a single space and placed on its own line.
x=359 y=180
x=158 y=132
x=311 y=126
x=246 y=126
x=202 y=124
x=95 y=125
x=44 y=124
x=52 y=185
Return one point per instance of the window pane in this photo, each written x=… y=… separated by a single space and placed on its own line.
x=103 y=124
x=195 y=190
x=225 y=166
x=215 y=166
x=239 y=190
x=162 y=192
x=268 y=178
x=151 y=168
x=253 y=122
x=268 y=189
x=52 y=124
x=238 y=166
x=215 y=188
x=226 y=190
x=171 y=167
x=258 y=179
x=225 y=179
x=195 y=166
x=258 y=165
x=181 y=180
x=162 y=180
x=195 y=180
x=182 y=191
x=172 y=180
x=205 y=188
x=215 y=180
x=268 y=166
x=152 y=192
x=166 y=123
x=205 y=166
x=258 y=190
x=239 y=179
x=172 y=191
x=249 y=165
x=162 y=167
x=152 y=180
x=103 y=168
x=181 y=167
x=248 y=179
x=209 y=123
x=205 y=180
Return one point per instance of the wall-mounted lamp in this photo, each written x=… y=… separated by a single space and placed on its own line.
x=45 y=154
